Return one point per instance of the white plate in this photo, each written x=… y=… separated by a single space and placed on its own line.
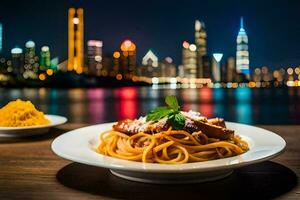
x=79 y=146
x=55 y=120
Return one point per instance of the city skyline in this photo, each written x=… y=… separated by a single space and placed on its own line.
x=197 y=66
x=144 y=31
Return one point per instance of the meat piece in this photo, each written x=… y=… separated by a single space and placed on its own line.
x=131 y=127
x=213 y=131
x=217 y=122
x=214 y=128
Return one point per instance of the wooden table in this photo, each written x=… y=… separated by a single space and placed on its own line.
x=29 y=170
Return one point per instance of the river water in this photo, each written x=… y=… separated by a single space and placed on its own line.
x=97 y=105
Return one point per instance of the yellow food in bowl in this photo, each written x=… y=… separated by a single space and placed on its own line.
x=21 y=113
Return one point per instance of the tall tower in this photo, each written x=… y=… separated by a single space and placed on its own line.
x=150 y=59
x=128 y=58
x=17 y=60
x=216 y=67
x=189 y=59
x=150 y=63
x=168 y=68
x=31 y=63
x=200 y=38
x=230 y=70
x=95 y=57
x=45 y=61
x=200 y=42
x=116 y=63
x=242 y=53
x=1 y=36
x=75 y=40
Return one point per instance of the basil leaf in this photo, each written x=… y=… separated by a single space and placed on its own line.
x=177 y=120
x=172 y=102
x=158 y=113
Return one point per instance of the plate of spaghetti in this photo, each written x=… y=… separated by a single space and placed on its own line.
x=169 y=146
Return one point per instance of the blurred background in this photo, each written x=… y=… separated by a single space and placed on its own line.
x=95 y=61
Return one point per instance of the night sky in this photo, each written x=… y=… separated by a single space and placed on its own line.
x=273 y=27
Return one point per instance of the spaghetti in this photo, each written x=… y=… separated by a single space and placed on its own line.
x=169 y=147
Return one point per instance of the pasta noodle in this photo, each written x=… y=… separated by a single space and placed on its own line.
x=169 y=147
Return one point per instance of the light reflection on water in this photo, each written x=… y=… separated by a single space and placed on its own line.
x=96 y=105
x=243 y=105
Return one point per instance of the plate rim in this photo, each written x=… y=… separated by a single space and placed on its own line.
x=48 y=116
x=144 y=169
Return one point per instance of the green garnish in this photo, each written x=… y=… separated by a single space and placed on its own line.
x=172 y=111
x=158 y=113
x=172 y=102
x=177 y=120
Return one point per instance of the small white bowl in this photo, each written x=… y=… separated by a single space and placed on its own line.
x=55 y=120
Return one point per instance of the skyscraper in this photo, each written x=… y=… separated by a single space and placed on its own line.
x=207 y=68
x=1 y=37
x=29 y=50
x=75 y=40
x=230 y=69
x=128 y=58
x=31 y=61
x=200 y=42
x=95 y=57
x=150 y=65
x=242 y=53
x=116 y=63
x=45 y=62
x=150 y=59
x=189 y=59
x=200 y=38
x=3 y=66
x=216 y=67
x=168 y=68
x=17 y=62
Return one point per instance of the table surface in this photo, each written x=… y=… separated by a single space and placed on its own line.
x=30 y=170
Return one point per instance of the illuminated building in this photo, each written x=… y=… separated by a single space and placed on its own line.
x=256 y=77
x=189 y=59
x=168 y=68
x=216 y=67
x=29 y=50
x=3 y=67
x=200 y=42
x=128 y=58
x=116 y=63
x=107 y=66
x=230 y=70
x=75 y=40
x=150 y=65
x=1 y=37
x=200 y=38
x=180 y=71
x=45 y=60
x=206 y=65
x=242 y=53
x=17 y=60
x=185 y=53
x=95 y=57
x=31 y=64
x=266 y=75
x=54 y=63
x=150 y=59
